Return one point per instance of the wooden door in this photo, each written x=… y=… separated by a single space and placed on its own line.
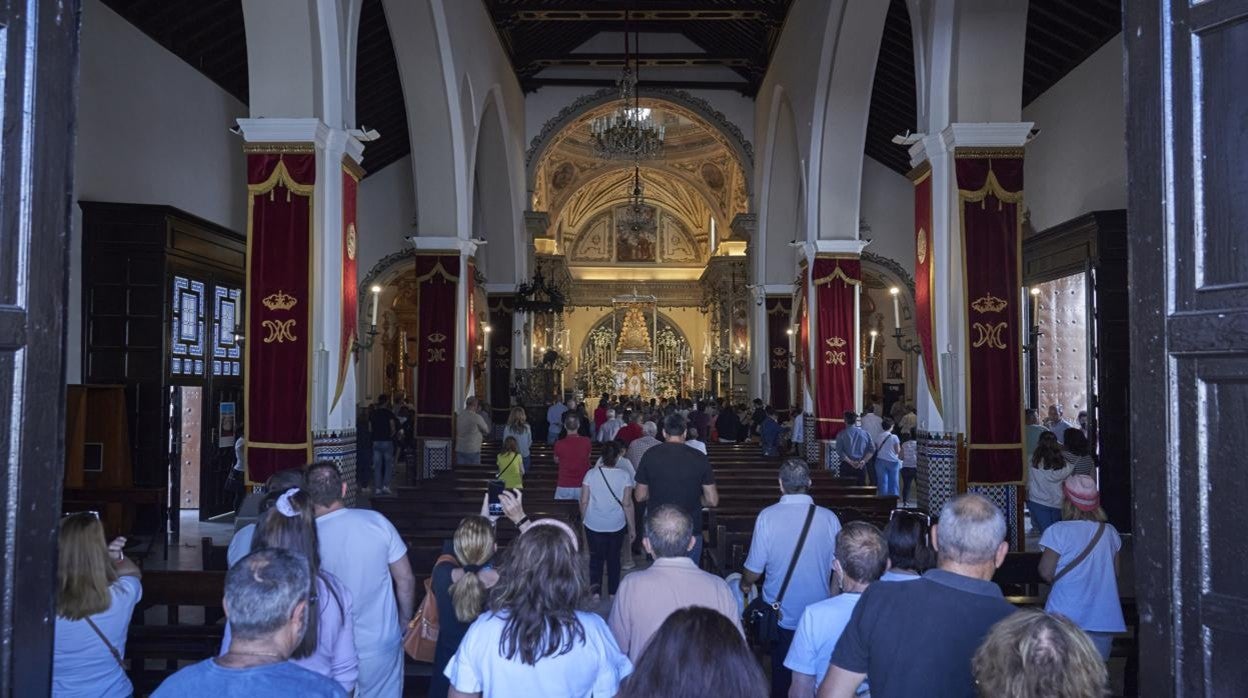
x=39 y=47
x=1188 y=207
x=220 y=428
x=190 y=442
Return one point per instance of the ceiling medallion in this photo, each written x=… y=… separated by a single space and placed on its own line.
x=629 y=132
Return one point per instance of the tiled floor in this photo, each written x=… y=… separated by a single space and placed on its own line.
x=186 y=553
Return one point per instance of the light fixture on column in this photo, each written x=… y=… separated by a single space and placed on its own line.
x=367 y=344
x=629 y=131
x=1033 y=333
x=903 y=343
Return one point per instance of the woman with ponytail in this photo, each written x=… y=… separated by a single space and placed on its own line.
x=328 y=646
x=461 y=589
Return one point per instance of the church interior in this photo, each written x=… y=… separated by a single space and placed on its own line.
x=278 y=212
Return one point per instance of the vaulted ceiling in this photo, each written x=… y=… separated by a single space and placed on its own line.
x=725 y=45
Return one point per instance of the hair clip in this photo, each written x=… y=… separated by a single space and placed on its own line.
x=283 y=503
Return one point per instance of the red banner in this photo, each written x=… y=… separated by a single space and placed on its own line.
x=779 y=340
x=802 y=307
x=279 y=311
x=350 y=290
x=470 y=343
x=437 y=283
x=836 y=283
x=990 y=194
x=925 y=283
x=502 y=313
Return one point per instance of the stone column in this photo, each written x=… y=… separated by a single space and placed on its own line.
x=331 y=424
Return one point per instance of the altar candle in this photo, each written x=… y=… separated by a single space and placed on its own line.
x=896 y=293
x=1035 y=307
x=376 y=296
x=871 y=351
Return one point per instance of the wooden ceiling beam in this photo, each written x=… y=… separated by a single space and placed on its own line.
x=745 y=88
x=646 y=60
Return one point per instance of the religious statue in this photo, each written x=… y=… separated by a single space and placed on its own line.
x=634 y=334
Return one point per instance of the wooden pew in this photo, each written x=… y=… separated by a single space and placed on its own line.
x=157 y=649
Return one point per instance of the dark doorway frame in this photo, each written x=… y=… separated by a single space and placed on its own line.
x=36 y=183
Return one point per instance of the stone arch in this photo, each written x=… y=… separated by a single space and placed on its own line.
x=495 y=215
x=783 y=191
x=701 y=110
x=434 y=120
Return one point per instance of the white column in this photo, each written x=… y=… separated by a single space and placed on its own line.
x=331 y=146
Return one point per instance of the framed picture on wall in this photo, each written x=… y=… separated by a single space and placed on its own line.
x=896 y=370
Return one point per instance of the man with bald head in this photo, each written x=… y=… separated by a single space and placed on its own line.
x=673 y=582
x=918 y=638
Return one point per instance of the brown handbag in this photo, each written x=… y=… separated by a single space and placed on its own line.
x=422 y=633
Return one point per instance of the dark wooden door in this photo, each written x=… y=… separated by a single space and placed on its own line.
x=40 y=54
x=1187 y=110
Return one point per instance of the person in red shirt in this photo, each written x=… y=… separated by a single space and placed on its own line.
x=572 y=457
x=600 y=413
x=631 y=429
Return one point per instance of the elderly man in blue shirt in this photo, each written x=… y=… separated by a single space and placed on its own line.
x=854 y=446
x=772 y=548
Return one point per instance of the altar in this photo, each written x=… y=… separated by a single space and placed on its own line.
x=635 y=352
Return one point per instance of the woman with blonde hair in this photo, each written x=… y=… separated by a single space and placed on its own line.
x=461 y=589
x=1079 y=557
x=518 y=427
x=1033 y=654
x=97 y=590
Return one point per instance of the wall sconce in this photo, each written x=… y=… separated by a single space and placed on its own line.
x=367 y=344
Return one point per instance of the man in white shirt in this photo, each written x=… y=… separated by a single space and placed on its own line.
x=873 y=423
x=362 y=548
x=774 y=544
x=861 y=556
x=609 y=428
x=1058 y=424
x=554 y=420
x=691 y=440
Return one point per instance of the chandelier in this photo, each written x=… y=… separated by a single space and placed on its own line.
x=629 y=132
x=639 y=218
x=538 y=296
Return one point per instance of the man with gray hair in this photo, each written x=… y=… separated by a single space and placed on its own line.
x=774 y=547
x=638 y=447
x=266 y=604
x=946 y=614
x=645 y=599
x=470 y=429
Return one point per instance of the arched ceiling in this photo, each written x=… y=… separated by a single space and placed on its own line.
x=697 y=178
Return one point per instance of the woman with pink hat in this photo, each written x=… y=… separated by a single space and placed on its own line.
x=1080 y=559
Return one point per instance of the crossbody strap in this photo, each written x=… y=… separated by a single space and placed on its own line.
x=1100 y=530
x=608 y=483
x=797 y=552
x=508 y=466
x=112 y=650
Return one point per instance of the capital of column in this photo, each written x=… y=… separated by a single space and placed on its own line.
x=971 y=135
x=282 y=132
x=839 y=248
x=431 y=243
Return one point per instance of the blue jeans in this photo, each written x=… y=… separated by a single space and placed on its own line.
x=887 y=473
x=383 y=464
x=467 y=458
x=1043 y=516
x=526 y=460
x=552 y=434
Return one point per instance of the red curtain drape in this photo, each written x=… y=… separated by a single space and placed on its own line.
x=802 y=306
x=471 y=340
x=350 y=290
x=437 y=282
x=502 y=312
x=279 y=317
x=836 y=282
x=925 y=283
x=779 y=321
x=990 y=194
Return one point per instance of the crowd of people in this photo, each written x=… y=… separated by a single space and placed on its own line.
x=318 y=594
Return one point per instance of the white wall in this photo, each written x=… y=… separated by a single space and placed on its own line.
x=385 y=212
x=152 y=130
x=888 y=207
x=1079 y=161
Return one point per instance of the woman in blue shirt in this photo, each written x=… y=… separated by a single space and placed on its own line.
x=97 y=589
